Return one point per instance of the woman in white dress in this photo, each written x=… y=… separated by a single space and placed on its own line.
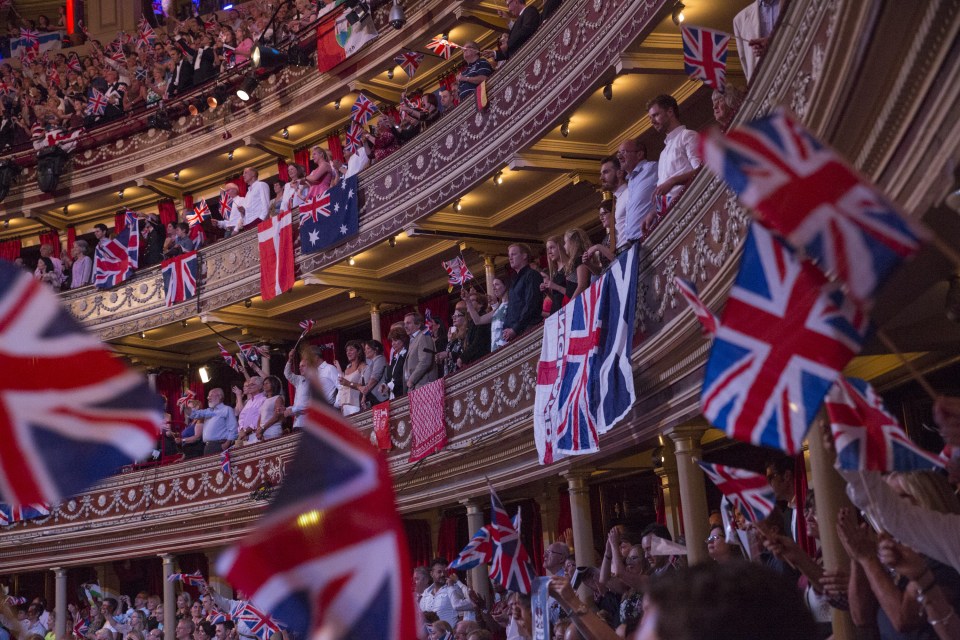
x=271 y=412
x=351 y=379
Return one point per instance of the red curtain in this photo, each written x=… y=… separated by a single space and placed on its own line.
x=388 y=318
x=187 y=201
x=241 y=185
x=447 y=547
x=282 y=170
x=167 y=211
x=531 y=530
x=660 y=507
x=439 y=306
x=302 y=157
x=170 y=386
x=418 y=539
x=330 y=340
x=197 y=387
x=119 y=222
x=52 y=238
x=564 y=519
x=336 y=147
x=10 y=250
x=800 y=486
x=71 y=237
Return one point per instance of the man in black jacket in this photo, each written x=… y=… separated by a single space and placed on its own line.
x=526 y=22
x=182 y=78
x=526 y=301
x=203 y=58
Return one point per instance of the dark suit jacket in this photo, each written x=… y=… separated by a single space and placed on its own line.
x=206 y=70
x=419 y=367
x=526 y=301
x=523 y=27
x=393 y=372
x=184 y=81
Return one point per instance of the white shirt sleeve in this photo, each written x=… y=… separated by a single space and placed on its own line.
x=256 y=203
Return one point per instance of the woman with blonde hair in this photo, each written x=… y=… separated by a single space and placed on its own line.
x=324 y=176
x=576 y=273
x=554 y=280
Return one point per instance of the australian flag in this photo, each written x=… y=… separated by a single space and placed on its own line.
x=584 y=378
x=329 y=558
x=70 y=412
x=180 y=277
x=335 y=221
x=785 y=335
x=867 y=436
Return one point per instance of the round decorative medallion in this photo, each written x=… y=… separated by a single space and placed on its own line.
x=113 y=296
x=420 y=162
x=101 y=500
x=597 y=4
x=449 y=141
x=373 y=438
x=182 y=120
x=161 y=489
x=72 y=505
x=388 y=182
x=247 y=472
x=508 y=93
x=131 y=495
x=537 y=67
x=402 y=428
x=484 y=396
x=512 y=382
x=457 y=408
x=566 y=37
x=220 y=477
x=143 y=288
x=88 y=153
x=82 y=304
x=191 y=483
x=478 y=119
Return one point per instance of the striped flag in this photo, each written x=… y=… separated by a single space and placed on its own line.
x=275 y=236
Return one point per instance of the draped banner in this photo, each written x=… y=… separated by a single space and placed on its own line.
x=427 y=421
x=381 y=425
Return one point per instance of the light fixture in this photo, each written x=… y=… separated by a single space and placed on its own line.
x=176 y=176
x=120 y=194
x=390 y=73
x=657 y=455
x=397 y=17
x=230 y=155
x=245 y=92
x=263 y=56
x=160 y=120
x=6 y=224
x=285 y=133
x=143 y=335
x=498 y=178
x=352 y=294
x=336 y=104
x=248 y=303
x=50 y=165
x=953 y=200
x=204 y=374
x=351 y=261
x=457 y=205
x=608 y=91
x=183 y=323
x=193 y=109
x=219 y=96
x=565 y=128
x=392 y=241
x=66 y=208
x=678 y=16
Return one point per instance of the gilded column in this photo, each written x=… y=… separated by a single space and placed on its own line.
x=490 y=271
x=666 y=470
x=476 y=518
x=580 y=516
x=375 y=320
x=169 y=598
x=60 y=602
x=693 y=495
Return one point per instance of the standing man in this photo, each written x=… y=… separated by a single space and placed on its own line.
x=418 y=369
x=219 y=423
x=754 y=25
x=255 y=206
x=526 y=22
x=248 y=414
x=232 y=220
x=679 y=161
x=781 y=479
x=526 y=301
x=477 y=70
x=641 y=177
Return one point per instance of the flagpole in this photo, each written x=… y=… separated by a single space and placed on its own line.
x=914 y=373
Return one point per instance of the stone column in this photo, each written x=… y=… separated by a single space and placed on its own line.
x=549 y=512
x=580 y=516
x=152 y=380
x=375 y=320
x=217 y=583
x=490 y=271
x=666 y=471
x=693 y=496
x=476 y=518
x=169 y=598
x=60 y=602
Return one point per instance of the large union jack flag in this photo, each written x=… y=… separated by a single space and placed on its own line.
x=409 y=61
x=867 y=437
x=748 y=491
x=96 y=103
x=804 y=191
x=706 y=317
x=354 y=138
x=705 y=55
x=116 y=261
x=20 y=512
x=194 y=579
x=258 y=623
x=180 y=278
x=329 y=558
x=584 y=378
x=363 y=109
x=70 y=412
x=510 y=565
x=785 y=335
x=315 y=207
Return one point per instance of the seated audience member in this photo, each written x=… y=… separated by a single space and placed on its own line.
x=82 y=272
x=554 y=283
x=726 y=105
x=376 y=364
x=679 y=161
x=754 y=25
x=219 y=423
x=524 y=309
x=351 y=379
x=391 y=382
x=526 y=22
x=418 y=367
x=476 y=71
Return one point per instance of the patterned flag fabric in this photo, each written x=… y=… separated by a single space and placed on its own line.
x=336 y=221
x=72 y=412
x=306 y=325
x=354 y=138
x=409 y=61
x=310 y=561
x=428 y=424
x=705 y=55
x=362 y=110
x=785 y=335
x=442 y=47
x=584 y=378
x=457 y=271
x=338 y=38
x=867 y=437
x=804 y=191
x=510 y=565
x=478 y=551
x=704 y=315
x=198 y=214
x=318 y=206
x=194 y=579
x=748 y=491
x=225 y=462
x=225 y=204
x=180 y=278
x=116 y=261
x=10 y=514
x=96 y=103
x=227 y=357
x=275 y=236
x=253 y=352
x=258 y=623
x=185 y=398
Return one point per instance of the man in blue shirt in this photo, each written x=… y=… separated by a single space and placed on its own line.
x=641 y=175
x=476 y=71
x=219 y=424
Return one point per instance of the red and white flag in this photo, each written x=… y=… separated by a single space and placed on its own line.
x=427 y=421
x=381 y=425
x=275 y=236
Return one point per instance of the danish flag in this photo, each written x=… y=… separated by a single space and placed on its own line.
x=275 y=237
x=748 y=491
x=705 y=55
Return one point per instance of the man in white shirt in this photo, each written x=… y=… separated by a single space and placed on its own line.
x=679 y=162
x=442 y=597
x=754 y=26
x=255 y=206
x=232 y=220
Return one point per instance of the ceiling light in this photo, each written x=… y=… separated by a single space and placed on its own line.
x=392 y=241
x=351 y=261
x=390 y=73
x=176 y=176
x=608 y=91
x=285 y=133
x=678 y=16
x=230 y=155
x=336 y=104
x=498 y=178
x=248 y=303
x=219 y=96
x=263 y=56
x=183 y=323
x=245 y=92
x=143 y=335
x=204 y=374
x=120 y=194
x=565 y=129
x=457 y=205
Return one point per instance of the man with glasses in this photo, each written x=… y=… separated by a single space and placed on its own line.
x=219 y=423
x=641 y=175
x=476 y=71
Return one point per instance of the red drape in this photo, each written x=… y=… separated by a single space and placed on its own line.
x=167 y=211
x=660 y=507
x=187 y=201
x=302 y=157
x=564 y=519
x=439 y=306
x=119 y=222
x=10 y=250
x=388 y=318
x=418 y=539
x=71 y=237
x=335 y=145
x=170 y=386
x=282 y=170
x=52 y=238
x=241 y=185
x=330 y=340
x=447 y=538
x=800 y=485
x=198 y=390
x=531 y=530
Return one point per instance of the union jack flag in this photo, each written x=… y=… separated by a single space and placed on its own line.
x=185 y=398
x=409 y=61
x=354 y=138
x=180 y=277
x=71 y=413
x=748 y=491
x=116 y=261
x=584 y=378
x=457 y=271
x=478 y=551
x=145 y=34
x=96 y=103
x=53 y=76
x=198 y=214
x=258 y=623
x=363 y=109
x=225 y=462
x=785 y=335
x=226 y=203
x=253 y=352
x=16 y=601
x=73 y=63
x=308 y=563
x=306 y=325
x=316 y=206
x=804 y=191
x=81 y=627
x=227 y=357
x=220 y=616
x=20 y=512
x=706 y=317
x=31 y=39
x=510 y=565
x=705 y=55
x=867 y=437
x=194 y=579
x=442 y=47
